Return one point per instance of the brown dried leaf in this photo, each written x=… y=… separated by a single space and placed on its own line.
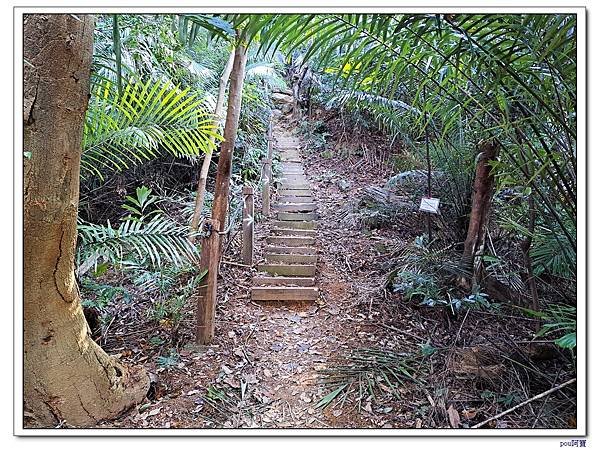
x=453 y=417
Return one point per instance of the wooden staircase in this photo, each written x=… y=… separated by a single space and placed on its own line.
x=290 y=258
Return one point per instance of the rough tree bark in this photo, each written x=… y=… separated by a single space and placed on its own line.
x=483 y=188
x=68 y=378
x=201 y=191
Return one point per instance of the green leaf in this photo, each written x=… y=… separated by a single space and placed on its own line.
x=101 y=269
x=567 y=341
x=325 y=401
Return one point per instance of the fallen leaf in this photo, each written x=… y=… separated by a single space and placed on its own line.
x=277 y=346
x=250 y=378
x=153 y=412
x=453 y=417
x=267 y=373
x=305 y=398
x=469 y=413
x=231 y=381
x=294 y=318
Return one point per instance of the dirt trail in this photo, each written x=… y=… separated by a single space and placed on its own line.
x=263 y=369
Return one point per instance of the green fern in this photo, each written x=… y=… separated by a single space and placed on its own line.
x=152 y=242
x=146 y=120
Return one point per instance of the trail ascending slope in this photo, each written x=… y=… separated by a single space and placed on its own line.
x=290 y=256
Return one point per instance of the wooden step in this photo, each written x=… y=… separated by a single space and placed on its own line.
x=290 y=159
x=294 y=177
x=276 y=258
x=294 y=192
x=272 y=293
x=292 y=231
x=295 y=181
x=291 y=166
x=286 y=173
x=295 y=199
x=295 y=270
x=290 y=250
x=293 y=196
x=308 y=225
x=294 y=186
x=291 y=241
x=283 y=281
x=295 y=216
x=295 y=207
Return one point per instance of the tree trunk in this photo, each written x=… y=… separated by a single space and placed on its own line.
x=221 y=200
x=209 y=260
x=525 y=248
x=482 y=197
x=201 y=191
x=68 y=378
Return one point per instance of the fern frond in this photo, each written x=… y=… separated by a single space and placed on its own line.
x=155 y=241
x=146 y=120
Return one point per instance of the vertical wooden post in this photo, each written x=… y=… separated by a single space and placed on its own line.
x=206 y=306
x=248 y=225
x=269 y=162
x=267 y=179
x=266 y=197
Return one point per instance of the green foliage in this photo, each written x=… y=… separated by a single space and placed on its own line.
x=172 y=294
x=100 y=295
x=148 y=237
x=558 y=320
x=139 y=204
x=315 y=133
x=505 y=399
x=152 y=242
x=169 y=361
x=170 y=309
x=147 y=119
x=416 y=285
x=551 y=252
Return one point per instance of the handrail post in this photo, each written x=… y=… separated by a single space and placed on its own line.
x=248 y=225
x=266 y=197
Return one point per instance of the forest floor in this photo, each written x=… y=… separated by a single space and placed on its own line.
x=272 y=365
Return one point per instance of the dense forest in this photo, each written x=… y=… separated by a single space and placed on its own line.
x=300 y=221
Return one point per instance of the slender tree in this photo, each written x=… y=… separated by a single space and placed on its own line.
x=201 y=191
x=210 y=260
x=68 y=378
x=483 y=189
x=221 y=200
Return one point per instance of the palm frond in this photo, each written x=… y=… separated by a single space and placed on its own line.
x=146 y=120
x=158 y=240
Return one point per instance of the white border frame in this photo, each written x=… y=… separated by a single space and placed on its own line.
x=266 y=7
